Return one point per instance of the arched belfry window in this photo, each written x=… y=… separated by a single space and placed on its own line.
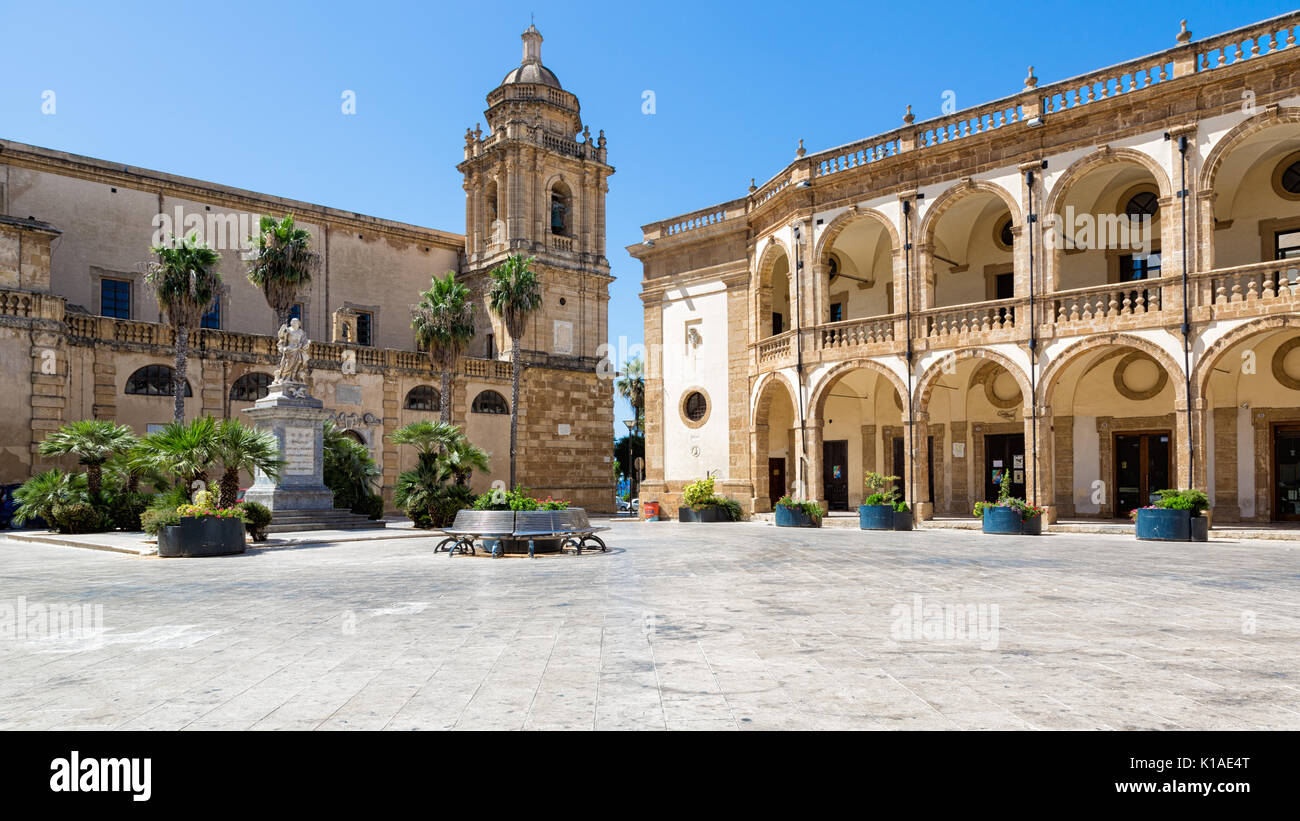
x=489 y=402
x=561 y=209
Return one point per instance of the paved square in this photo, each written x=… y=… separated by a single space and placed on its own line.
x=679 y=627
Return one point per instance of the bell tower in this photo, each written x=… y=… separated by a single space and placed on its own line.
x=535 y=184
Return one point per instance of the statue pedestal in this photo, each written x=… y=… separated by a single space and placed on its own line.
x=297 y=419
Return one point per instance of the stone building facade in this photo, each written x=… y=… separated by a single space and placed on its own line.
x=80 y=334
x=1089 y=286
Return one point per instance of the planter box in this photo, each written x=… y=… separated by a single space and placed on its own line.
x=793 y=517
x=902 y=520
x=1003 y=521
x=704 y=514
x=1200 y=528
x=1032 y=527
x=520 y=546
x=876 y=517
x=1158 y=524
x=201 y=536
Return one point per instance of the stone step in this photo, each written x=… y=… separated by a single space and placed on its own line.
x=289 y=521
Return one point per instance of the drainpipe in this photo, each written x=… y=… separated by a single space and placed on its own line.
x=797 y=323
x=1033 y=341
x=907 y=302
x=1187 y=309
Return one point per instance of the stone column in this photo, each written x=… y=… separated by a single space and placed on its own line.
x=812 y=436
x=916 y=473
x=1226 y=495
x=960 y=471
x=297 y=420
x=869 y=448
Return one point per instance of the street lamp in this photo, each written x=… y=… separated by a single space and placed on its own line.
x=631 y=467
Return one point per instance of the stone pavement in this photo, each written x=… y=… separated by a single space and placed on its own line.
x=680 y=626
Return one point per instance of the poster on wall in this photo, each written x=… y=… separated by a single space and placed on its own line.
x=1018 y=461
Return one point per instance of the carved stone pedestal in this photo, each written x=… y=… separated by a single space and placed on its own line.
x=297 y=419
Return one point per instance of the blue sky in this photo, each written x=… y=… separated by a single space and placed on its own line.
x=248 y=94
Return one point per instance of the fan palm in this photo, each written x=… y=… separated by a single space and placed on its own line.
x=514 y=293
x=241 y=447
x=183 y=450
x=185 y=280
x=125 y=471
x=428 y=437
x=37 y=496
x=93 y=442
x=281 y=263
x=459 y=461
x=444 y=324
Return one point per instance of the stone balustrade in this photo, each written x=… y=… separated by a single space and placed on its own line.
x=1083 y=305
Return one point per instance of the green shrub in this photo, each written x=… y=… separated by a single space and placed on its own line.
x=371 y=505
x=124 y=509
x=37 y=497
x=881 y=487
x=810 y=509
x=498 y=499
x=77 y=517
x=155 y=519
x=256 y=516
x=1193 y=500
x=731 y=508
x=901 y=507
x=698 y=493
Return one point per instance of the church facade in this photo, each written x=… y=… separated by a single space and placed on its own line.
x=1088 y=288
x=80 y=335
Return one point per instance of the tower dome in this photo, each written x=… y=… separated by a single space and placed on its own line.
x=530 y=68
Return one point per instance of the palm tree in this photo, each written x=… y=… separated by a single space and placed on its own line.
x=185 y=281
x=184 y=450
x=242 y=447
x=631 y=386
x=444 y=324
x=428 y=438
x=38 y=496
x=461 y=459
x=281 y=264
x=515 y=293
x=349 y=470
x=93 y=442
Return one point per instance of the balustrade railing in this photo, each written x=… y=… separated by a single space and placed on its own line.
x=1104 y=302
x=946 y=324
x=775 y=347
x=854 y=332
x=1261 y=281
x=1247 y=43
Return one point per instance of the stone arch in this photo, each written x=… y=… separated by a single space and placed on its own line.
x=925 y=385
x=817 y=401
x=1229 y=142
x=1206 y=361
x=1106 y=155
x=760 y=402
x=955 y=194
x=837 y=226
x=762 y=299
x=1062 y=362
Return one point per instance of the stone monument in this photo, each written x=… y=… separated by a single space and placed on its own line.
x=297 y=419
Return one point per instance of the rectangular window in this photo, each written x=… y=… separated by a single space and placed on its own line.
x=212 y=319
x=837 y=311
x=777 y=324
x=363 y=328
x=296 y=311
x=1133 y=267
x=491 y=347
x=1287 y=245
x=115 y=298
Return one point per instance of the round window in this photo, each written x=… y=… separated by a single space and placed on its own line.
x=696 y=406
x=1142 y=204
x=1291 y=178
x=1004 y=233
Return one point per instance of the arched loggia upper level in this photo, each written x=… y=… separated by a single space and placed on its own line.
x=857 y=256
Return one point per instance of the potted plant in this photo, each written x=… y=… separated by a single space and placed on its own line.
x=256 y=516
x=877 y=511
x=1009 y=516
x=795 y=513
x=902 y=516
x=701 y=504
x=1176 y=516
x=202 y=530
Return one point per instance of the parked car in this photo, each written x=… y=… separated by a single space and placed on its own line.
x=628 y=505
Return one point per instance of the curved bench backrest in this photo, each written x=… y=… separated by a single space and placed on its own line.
x=485 y=521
